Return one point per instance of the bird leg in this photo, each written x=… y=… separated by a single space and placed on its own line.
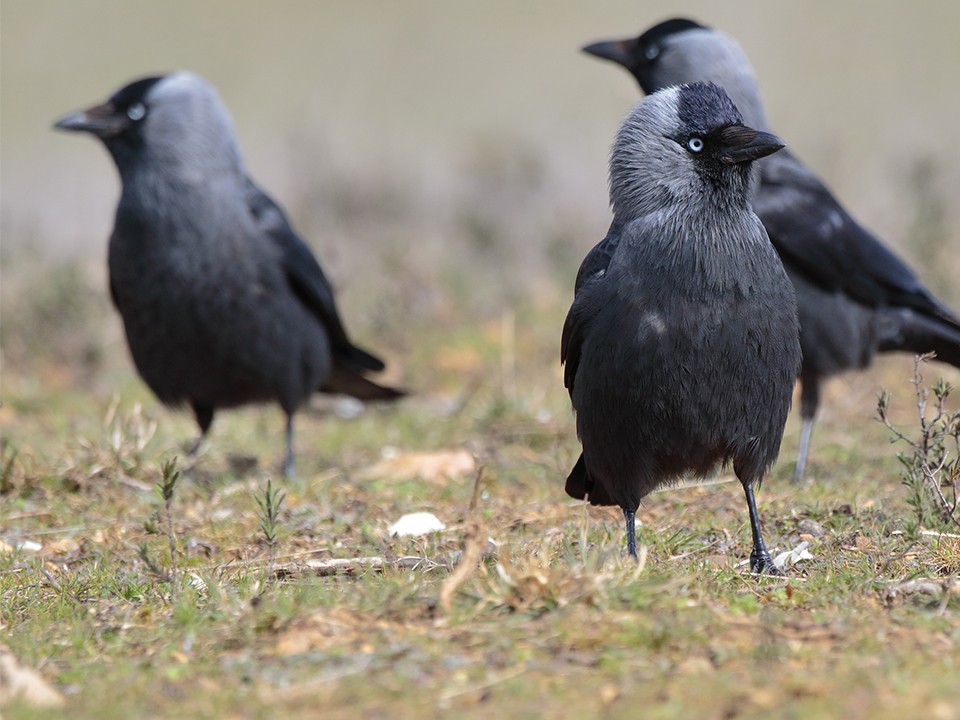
x=204 y=415
x=288 y=458
x=760 y=560
x=804 y=450
x=631 y=517
x=809 y=402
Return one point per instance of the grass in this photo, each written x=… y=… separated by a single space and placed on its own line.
x=551 y=621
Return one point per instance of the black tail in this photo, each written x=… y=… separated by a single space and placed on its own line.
x=344 y=380
x=906 y=330
x=357 y=359
x=580 y=485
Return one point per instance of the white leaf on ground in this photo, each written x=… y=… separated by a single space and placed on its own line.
x=24 y=685
x=347 y=408
x=29 y=546
x=418 y=523
x=792 y=557
x=198 y=583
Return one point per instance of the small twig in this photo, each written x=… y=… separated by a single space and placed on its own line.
x=354 y=566
x=473 y=545
x=934 y=481
x=893 y=558
x=258 y=562
x=50 y=579
x=695 y=551
x=58 y=587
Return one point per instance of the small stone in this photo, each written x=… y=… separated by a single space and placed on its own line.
x=811 y=527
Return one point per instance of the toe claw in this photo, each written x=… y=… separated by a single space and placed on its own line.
x=762 y=564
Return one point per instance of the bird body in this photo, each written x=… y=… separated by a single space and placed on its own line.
x=222 y=302
x=855 y=297
x=683 y=362
x=681 y=346
x=209 y=315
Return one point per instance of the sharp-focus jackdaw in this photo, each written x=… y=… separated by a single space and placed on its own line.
x=855 y=297
x=222 y=302
x=681 y=347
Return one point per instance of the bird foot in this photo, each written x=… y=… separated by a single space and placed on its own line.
x=762 y=564
x=194 y=450
x=799 y=478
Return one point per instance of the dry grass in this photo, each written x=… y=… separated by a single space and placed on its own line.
x=545 y=617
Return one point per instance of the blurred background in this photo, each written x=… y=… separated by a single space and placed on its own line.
x=446 y=160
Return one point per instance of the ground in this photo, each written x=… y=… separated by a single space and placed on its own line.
x=546 y=616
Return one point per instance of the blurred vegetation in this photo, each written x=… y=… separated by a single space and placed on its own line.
x=930 y=467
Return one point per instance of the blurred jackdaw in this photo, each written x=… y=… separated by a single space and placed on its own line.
x=855 y=297
x=681 y=347
x=222 y=302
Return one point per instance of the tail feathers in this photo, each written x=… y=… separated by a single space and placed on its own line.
x=581 y=486
x=344 y=380
x=905 y=330
x=357 y=359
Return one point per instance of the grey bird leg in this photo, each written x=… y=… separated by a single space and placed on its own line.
x=804 y=450
x=288 y=459
x=631 y=517
x=204 y=415
x=809 y=402
x=760 y=560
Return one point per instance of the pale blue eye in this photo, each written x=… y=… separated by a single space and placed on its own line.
x=136 y=111
x=651 y=52
x=695 y=144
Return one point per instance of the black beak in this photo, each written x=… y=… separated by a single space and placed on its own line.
x=619 y=51
x=743 y=144
x=102 y=121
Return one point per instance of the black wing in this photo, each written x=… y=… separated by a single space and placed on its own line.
x=593 y=268
x=598 y=259
x=306 y=277
x=817 y=238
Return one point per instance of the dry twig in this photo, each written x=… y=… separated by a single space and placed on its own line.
x=473 y=544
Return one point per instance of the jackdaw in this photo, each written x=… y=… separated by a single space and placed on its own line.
x=681 y=346
x=222 y=302
x=855 y=297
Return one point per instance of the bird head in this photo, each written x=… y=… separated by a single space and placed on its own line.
x=681 y=143
x=122 y=114
x=175 y=119
x=640 y=55
x=681 y=51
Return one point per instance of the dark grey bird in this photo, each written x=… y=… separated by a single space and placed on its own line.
x=222 y=302
x=855 y=297
x=681 y=347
